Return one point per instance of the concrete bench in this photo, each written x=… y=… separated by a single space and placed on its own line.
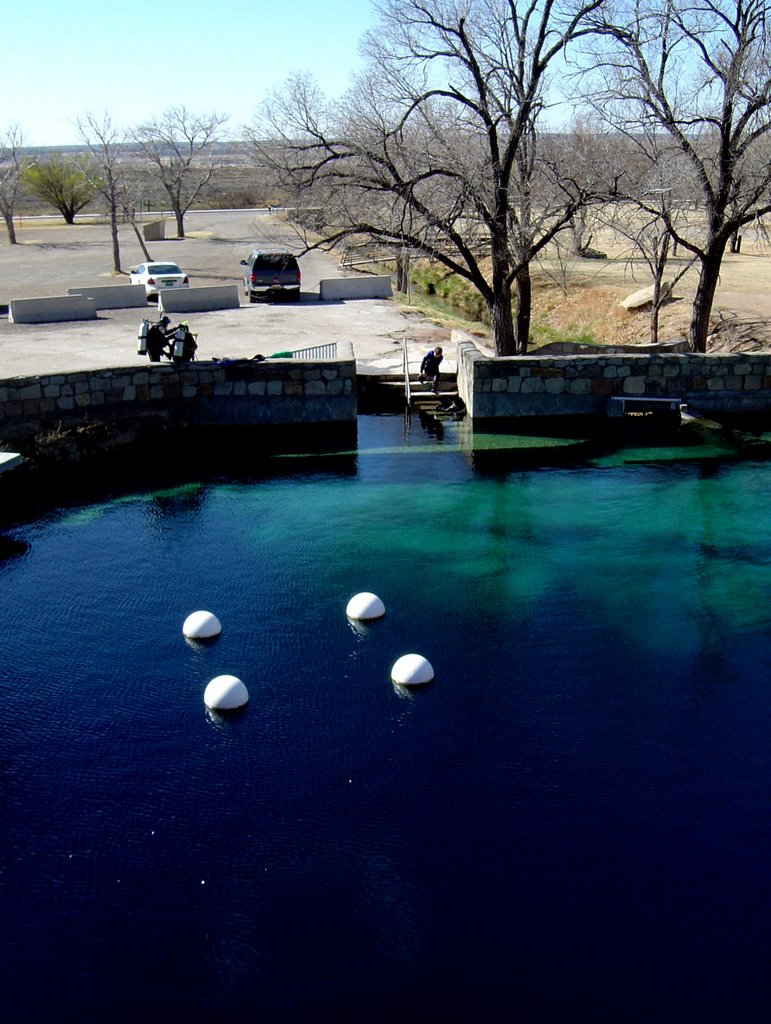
x=198 y=300
x=51 y=309
x=337 y=288
x=623 y=406
x=114 y=296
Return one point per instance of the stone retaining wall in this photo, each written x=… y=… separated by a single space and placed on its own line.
x=240 y=392
x=582 y=384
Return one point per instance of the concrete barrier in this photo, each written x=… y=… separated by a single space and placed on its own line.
x=114 y=296
x=154 y=231
x=198 y=300
x=370 y=287
x=51 y=309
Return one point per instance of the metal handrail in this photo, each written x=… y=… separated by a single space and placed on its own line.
x=328 y=351
x=406 y=364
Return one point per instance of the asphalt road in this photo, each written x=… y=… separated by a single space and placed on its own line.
x=52 y=257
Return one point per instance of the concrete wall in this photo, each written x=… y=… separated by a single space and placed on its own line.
x=154 y=231
x=368 y=287
x=51 y=309
x=240 y=392
x=114 y=296
x=581 y=385
x=198 y=300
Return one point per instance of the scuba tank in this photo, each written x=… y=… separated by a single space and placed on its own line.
x=179 y=342
x=142 y=338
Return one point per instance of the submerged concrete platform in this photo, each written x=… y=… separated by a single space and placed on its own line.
x=8 y=460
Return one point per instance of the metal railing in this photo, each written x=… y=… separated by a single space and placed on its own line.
x=328 y=351
x=406 y=366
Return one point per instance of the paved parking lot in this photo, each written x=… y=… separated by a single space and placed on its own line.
x=53 y=257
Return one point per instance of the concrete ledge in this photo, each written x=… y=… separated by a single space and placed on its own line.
x=336 y=288
x=619 y=406
x=114 y=296
x=8 y=460
x=575 y=348
x=51 y=309
x=198 y=300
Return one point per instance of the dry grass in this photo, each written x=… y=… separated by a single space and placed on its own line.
x=583 y=296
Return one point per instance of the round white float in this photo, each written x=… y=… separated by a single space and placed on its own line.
x=365 y=606
x=200 y=625
x=412 y=670
x=224 y=693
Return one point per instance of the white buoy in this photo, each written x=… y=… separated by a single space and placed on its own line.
x=412 y=670
x=200 y=625
x=365 y=606
x=224 y=693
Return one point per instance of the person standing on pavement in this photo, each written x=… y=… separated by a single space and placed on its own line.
x=430 y=367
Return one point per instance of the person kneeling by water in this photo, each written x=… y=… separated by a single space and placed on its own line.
x=430 y=367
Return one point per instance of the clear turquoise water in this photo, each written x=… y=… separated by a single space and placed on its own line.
x=570 y=824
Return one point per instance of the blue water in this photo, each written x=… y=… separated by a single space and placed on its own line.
x=571 y=824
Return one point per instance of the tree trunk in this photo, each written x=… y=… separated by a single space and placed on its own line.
x=504 y=338
x=114 y=233
x=10 y=227
x=524 y=291
x=179 y=216
x=705 y=296
x=655 y=319
x=657 y=300
x=141 y=241
x=403 y=272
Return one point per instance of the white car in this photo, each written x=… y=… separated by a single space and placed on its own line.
x=156 y=277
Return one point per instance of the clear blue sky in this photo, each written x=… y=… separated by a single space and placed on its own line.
x=135 y=59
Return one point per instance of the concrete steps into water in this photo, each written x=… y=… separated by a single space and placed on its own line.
x=422 y=398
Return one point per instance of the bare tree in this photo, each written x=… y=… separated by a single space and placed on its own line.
x=181 y=148
x=644 y=223
x=106 y=144
x=697 y=73
x=653 y=195
x=12 y=166
x=436 y=149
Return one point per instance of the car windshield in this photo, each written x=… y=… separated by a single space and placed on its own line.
x=163 y=268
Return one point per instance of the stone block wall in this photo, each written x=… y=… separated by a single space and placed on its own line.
x=240 y=392
x=582 y=384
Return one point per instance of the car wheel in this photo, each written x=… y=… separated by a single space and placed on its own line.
x=252 y=297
